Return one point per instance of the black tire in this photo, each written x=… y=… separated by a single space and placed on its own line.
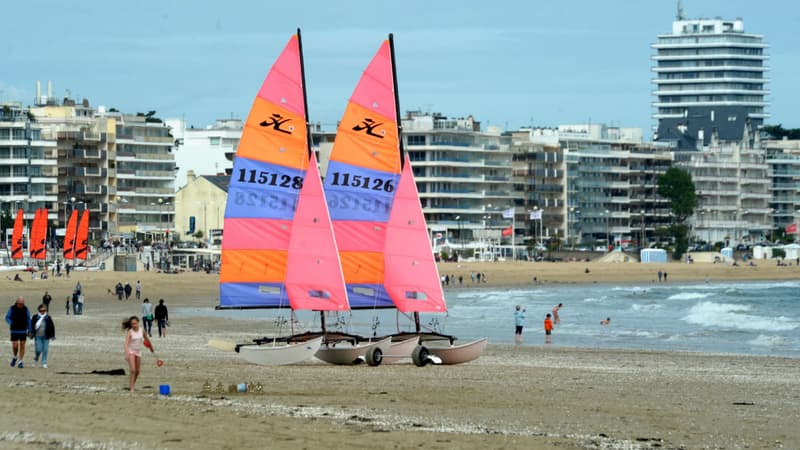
x=374 y=356
x=420 y=356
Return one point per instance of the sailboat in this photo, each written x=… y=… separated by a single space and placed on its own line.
x=277 y=226
x=38 y=241
x=16 y=236
x=70 y=236
x=377 y=216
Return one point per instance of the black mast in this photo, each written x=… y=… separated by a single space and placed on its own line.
x=397 y=103
x=308 y=130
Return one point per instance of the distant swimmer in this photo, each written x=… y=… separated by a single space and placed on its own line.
x=606 y=322
x=556 y=319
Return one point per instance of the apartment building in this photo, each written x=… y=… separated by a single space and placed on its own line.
x=28 y=165
x=709 y=77
x=207 y=150
x=783 y=160
x=463 y=175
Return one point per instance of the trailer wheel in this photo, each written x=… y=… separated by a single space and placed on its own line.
x=420 y=356
x=374 y=356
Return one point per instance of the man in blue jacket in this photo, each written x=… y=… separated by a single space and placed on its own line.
x=19 y=320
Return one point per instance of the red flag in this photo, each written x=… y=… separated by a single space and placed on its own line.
x=791 y=228
x=507 y=232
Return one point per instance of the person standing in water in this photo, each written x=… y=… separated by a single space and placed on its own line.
x=135 y=338
x=519 y=322
x=556 y=319
x=548 y=329
x=606 y=322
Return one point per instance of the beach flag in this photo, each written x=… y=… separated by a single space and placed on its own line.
x=508 y=213
x=791 y=228
x=508 y=231
x=536 y=215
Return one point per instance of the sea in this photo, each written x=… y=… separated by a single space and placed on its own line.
x=748 y=318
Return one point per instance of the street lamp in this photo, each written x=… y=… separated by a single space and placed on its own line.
x=571 y=226
x=644 y=239
x=608 y=241
x=460 y=239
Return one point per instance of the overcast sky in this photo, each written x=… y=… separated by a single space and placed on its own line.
x=507 y=63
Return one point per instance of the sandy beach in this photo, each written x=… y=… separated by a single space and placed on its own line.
x=512 y=397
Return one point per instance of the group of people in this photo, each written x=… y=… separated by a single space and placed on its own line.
x=550 y=320
x=40 y=327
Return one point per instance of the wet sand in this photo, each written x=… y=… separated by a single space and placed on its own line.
x=529 y=396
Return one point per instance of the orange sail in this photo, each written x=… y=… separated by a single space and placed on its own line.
x=82 y=240
x=38 y=241
x=69 y=237
x=16 y=237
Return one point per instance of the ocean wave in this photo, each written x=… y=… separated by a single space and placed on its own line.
x=734 y=316
x=689 y=296
x=769 y=341
x=649 y=307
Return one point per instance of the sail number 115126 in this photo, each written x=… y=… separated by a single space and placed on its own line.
x=272 y=179
x=359 y=181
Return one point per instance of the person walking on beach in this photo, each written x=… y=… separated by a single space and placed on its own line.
x=128 y=290
x=18 y=319
x=135 y=337
x=519 y=322
x=119 y=290
x=46 y=299
x=659 y=276
x=147 y=316
x=162 y=318
x=43 y=332
x=665 y=277
x=548 y=329
x=138 y=290
x=556 y=319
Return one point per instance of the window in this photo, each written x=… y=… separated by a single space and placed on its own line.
x=213 y=140
x=415 y=140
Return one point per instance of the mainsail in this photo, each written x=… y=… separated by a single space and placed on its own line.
x=16 y=236
x=361 y=179
x=38 y=241
x=82 y=237
x=70 y=235
x=271 y=253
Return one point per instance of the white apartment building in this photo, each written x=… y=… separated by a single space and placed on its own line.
x=733 y=192
x=206 y=150
x=709 y=77
x=783 y=159
x=464 y=177
x=28 y=165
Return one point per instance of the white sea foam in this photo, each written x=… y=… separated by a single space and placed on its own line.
x=768 y=341
x=648 y=307
x=734 y=316
x=689 y=296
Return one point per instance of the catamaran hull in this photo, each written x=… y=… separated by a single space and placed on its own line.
x=400 y=350
x=279 y=354
x=452 y=354
x=345 y=353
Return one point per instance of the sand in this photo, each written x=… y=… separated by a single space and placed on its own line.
x=512 y=397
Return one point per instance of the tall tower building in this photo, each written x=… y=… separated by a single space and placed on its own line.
x=709 y=78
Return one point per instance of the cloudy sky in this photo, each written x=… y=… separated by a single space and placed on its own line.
x=508 y=63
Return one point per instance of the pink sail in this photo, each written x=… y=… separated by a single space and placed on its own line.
x=411 y=275
x=314 y=278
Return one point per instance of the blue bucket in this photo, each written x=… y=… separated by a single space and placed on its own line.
x=163 y=389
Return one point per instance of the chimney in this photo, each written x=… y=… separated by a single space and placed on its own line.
x=49 y=90
x=190 y=176
x=38 y=99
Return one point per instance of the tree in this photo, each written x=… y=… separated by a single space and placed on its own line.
x=778 y=132
x=676 y=185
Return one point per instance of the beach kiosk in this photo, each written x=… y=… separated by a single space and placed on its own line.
x=727 y=252
x=792 y=251
x=653 y=255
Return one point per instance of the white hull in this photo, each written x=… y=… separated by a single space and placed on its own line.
x=279 y=354
x=345 y=353
x=457 y=354
x=399 y=351
x=13 y=268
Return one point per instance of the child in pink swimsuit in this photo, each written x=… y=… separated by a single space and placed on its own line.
x=134 y=339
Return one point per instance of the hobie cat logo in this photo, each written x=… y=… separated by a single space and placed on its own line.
x=276 y=121
x=369 y=126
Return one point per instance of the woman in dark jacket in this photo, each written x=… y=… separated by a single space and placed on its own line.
x=43 y=331
x=19 y=321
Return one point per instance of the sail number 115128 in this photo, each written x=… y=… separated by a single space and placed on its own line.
x=359 y=181
x=272 y=179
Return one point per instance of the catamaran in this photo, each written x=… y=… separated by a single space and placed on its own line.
x=377 y=215
x=279 y=250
